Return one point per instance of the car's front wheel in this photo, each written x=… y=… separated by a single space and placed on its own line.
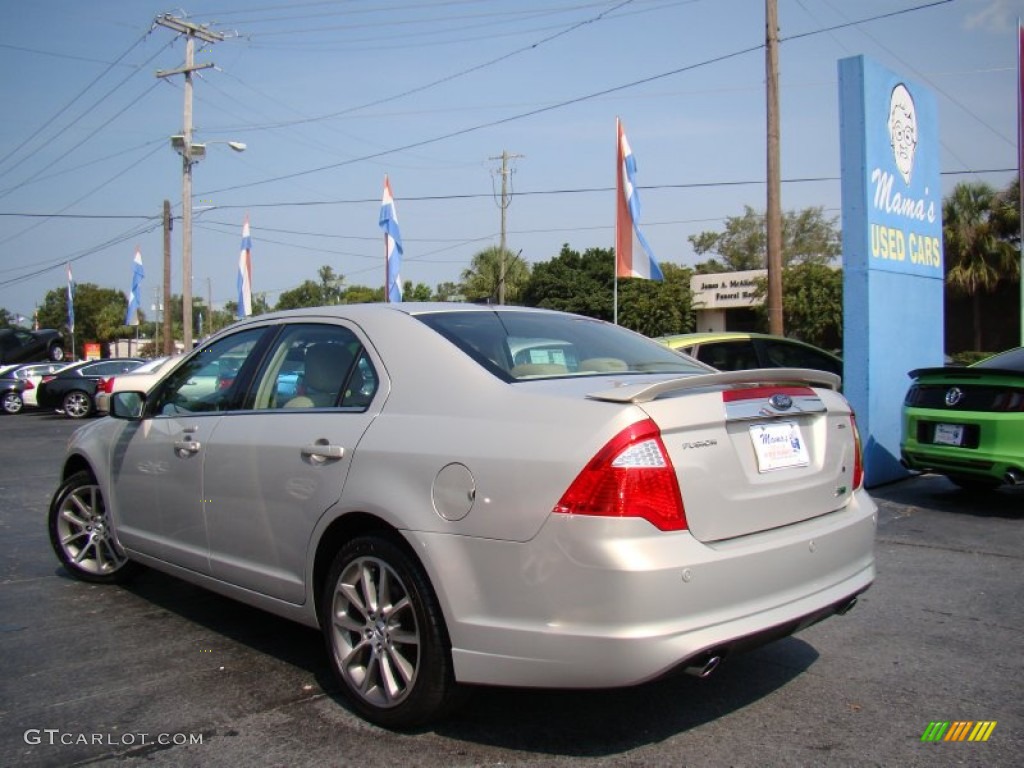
x=12 y=402
x=77 y=405
x=385 y=635
x=80 y=533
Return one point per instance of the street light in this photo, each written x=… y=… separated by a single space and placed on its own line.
x=191 y=153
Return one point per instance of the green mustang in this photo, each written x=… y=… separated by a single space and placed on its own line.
x=968 y=423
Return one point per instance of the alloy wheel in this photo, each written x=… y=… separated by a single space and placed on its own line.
x=12 y=402
x=82 y=532
x=77 y=405
x=375 y=635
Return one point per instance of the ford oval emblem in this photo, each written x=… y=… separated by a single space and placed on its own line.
x=780 y=402
x=954 y=396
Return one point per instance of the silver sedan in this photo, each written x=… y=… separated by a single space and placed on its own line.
x=459 y=494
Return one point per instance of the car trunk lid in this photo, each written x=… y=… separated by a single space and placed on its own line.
x=752 y=450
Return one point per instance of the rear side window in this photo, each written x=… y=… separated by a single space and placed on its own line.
x=729 y=355
x=782 y=355
x=516 y=345
x=315 y=365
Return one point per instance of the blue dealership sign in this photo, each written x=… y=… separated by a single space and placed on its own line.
x=892 y=249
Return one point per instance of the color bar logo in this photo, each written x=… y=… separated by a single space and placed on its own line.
x=958 y=730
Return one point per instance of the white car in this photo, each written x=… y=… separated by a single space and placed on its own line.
x=596 y=514
x=34 y=374
x=137 y=379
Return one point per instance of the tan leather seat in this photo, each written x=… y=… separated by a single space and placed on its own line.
x=325 y=372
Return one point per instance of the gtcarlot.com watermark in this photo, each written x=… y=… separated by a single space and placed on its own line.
x=57 y=737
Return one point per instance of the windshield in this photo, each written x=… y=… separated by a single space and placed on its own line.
x=529 y=345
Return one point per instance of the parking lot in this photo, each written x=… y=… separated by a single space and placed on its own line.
x=164 y=672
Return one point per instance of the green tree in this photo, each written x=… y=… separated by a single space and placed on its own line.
x=585 y=284
x=480 y=282
x=658 y=308
x=807 y=237
x=306 y=294
x=573 y=282
x=324 y=291
x=812 y=304
x=6 y=319
x=448 y=292
x=418 y=292
x=977 y=256
x=99 y=313
x=362 y=294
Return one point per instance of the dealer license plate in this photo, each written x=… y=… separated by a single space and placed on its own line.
x=949 y=434
x=779 y=445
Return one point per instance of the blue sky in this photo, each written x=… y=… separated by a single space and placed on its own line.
x=330 y=96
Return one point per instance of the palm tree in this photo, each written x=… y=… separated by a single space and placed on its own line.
x=482 y=279
x=977 y=258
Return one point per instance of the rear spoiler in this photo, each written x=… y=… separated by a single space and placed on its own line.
x=643 y=393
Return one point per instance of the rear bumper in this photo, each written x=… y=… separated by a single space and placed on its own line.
x=605 y=603
x=999 y=451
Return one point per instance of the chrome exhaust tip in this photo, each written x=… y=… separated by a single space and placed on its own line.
x=708 y=665
x=846 y=607
x=1014 y=477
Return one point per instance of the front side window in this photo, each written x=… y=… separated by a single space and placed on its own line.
x=517 y=345
x=209 y=380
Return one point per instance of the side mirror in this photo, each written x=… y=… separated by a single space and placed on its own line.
x=127 y=405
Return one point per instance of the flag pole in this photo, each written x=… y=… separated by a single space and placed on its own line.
x=615 y=249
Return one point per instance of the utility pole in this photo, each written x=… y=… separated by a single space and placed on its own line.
x=168 y=338
x=503 y=205
x=191 y=32
x=157 y=290
x=774 y=213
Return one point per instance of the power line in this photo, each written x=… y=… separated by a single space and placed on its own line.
x=557 y=105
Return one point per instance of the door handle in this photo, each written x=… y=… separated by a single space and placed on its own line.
x=321 y=451
x=186 y=448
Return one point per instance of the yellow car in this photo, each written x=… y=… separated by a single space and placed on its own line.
x=732 y=351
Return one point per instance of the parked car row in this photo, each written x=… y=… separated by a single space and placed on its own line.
x=68 y=388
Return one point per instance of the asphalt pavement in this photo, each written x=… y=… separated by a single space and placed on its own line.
x=167 y=674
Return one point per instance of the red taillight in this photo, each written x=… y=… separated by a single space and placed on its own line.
x=631 y=476
x=105 y=385
x=858 y=459
x=45 y=379
x=29 y=384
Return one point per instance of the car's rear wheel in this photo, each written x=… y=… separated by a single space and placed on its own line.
x=77 y=404
x=12 y=402
x=56 y=353
x=385 y=635
x=80 y=533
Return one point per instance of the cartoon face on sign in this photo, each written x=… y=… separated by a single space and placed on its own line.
x=903 y=130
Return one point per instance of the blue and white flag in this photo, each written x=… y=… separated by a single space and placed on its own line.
x=132 y=315
x=392 y=244
x=633 y=256
x=71 y=300
x=245 y=273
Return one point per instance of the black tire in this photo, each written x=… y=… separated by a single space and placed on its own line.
x=56 y=353
x=12 y=402
x=80 y=533
x=386 y=637
x=77 y=404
